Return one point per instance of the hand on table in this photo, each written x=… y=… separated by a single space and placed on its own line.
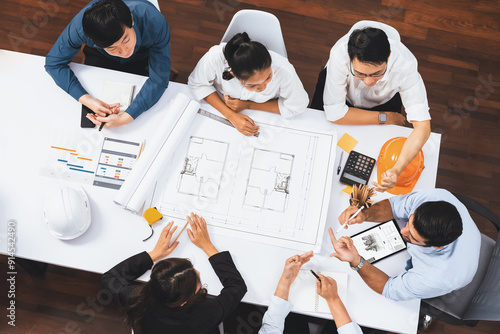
x=344 y=249
x=111 y=121
x=198 y=234
x=163 y=247
x=236 y=105
x=244 y=124
x=99 y=107
x=388 y=180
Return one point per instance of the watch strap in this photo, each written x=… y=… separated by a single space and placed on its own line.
x=360 y=265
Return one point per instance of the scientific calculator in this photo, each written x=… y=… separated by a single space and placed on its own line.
x=357 y=169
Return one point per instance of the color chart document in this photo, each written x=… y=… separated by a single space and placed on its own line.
x=89 y=157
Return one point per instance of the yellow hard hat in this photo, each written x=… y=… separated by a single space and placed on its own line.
x=387 y=158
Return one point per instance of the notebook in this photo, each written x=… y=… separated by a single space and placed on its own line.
x=303 y=294
x=114 y=92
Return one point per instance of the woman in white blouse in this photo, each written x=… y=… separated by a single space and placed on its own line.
x=243 y=74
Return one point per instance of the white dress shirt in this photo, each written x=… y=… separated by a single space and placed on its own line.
x=285 y=84
x=274 y=319
x=435 y=272
x=401 y=76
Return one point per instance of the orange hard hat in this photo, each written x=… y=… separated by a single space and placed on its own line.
x=387 y=158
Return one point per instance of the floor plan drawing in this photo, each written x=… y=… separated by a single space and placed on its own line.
x=268 y=181
x=201 y=173
x=274 y=188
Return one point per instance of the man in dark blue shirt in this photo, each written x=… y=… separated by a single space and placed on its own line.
x=128 y=33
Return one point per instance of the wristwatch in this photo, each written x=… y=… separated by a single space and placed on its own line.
x=360 y=265
x=382 y=118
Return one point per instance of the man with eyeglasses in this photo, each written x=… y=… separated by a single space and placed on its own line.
x=369 y=77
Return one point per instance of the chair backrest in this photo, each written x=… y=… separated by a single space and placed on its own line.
x=479 y=300
x=486 y=302
x=260 y=26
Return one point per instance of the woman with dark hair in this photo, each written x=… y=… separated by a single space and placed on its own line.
x=243 y=74
x=173 y=300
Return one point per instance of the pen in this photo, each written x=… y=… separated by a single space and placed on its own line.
x=315 y=275
x=102 y=125
x=340 y=162
x=352 y=217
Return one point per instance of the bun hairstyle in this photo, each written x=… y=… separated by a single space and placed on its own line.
x=245 y=57
x=173 y=284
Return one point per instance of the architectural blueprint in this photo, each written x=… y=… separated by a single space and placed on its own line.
x=272 y=189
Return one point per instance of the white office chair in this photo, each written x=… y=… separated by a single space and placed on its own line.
x=260 y=26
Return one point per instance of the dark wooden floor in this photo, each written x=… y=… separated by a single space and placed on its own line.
x=456 y=42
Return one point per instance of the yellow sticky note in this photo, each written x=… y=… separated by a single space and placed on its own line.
x=348 y=190
x=347 y=143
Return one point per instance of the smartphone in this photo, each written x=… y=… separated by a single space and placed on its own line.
x=85 y=122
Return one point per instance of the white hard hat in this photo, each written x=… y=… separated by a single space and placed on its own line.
x=67 y=212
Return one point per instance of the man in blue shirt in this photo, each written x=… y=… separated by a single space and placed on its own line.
x=129 y=34
x=442 y=238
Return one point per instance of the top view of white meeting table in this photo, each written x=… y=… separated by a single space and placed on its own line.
x=33 y=108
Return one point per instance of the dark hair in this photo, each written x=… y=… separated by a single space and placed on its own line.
x=173 y=282
x=105 y=21
x=369 y=45
x=245 y=57
x=439 y=223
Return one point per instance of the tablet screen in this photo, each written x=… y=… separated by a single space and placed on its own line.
x=379 y=241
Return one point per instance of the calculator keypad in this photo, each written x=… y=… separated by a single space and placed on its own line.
x=359 y=166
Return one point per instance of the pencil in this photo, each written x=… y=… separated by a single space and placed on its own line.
x=178 y=235
x=315 y=275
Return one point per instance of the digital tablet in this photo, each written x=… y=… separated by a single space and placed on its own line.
x=379 y=242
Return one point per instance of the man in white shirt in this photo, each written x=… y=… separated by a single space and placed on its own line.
x=370 y=74
x=274 y=319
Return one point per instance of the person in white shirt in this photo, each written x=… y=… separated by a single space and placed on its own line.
x=370 y=75
x=279 y=307
x=243 y=74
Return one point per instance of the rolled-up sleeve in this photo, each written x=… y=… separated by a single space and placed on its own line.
x=273 y=321
x=413 y=93
x=293 y=98
x=350 y=328
x=335 y=93
x=202 y=79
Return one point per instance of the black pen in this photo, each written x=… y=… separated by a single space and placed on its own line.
x=315 y=275
x=102 y=125
x=340 y=162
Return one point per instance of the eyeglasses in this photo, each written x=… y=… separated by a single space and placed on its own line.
x=363 y=76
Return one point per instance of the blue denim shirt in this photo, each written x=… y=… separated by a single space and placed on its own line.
x=435 y=272
x=153 y=40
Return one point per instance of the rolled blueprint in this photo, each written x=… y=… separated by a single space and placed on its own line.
x=147 y=170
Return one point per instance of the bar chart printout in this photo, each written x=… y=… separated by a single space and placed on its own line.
x=115 y=162
x=90 y=158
